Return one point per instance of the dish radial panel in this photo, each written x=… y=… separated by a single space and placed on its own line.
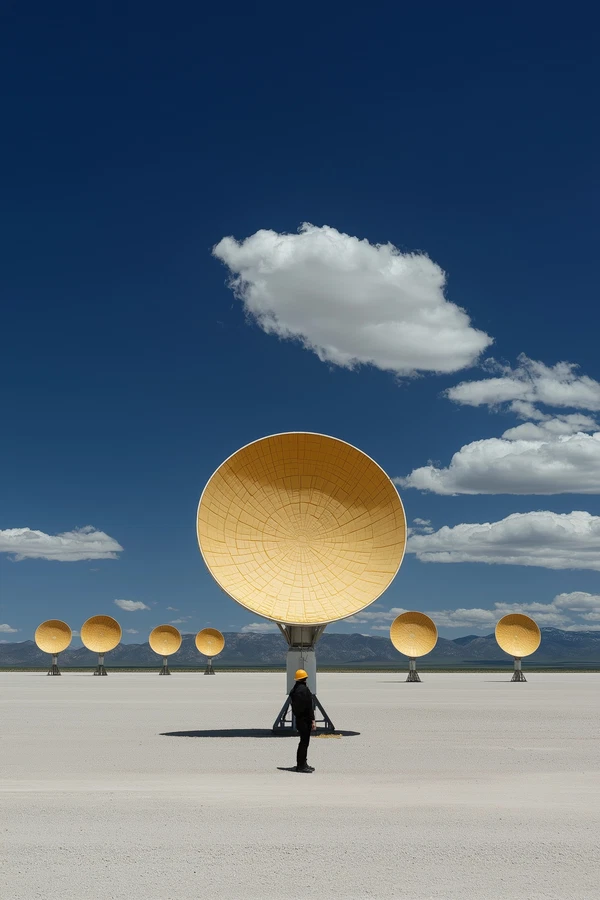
x=53 y=636
x=518 y=635
x=165 y=640
x=413 y=634
x=301 y=528
x=210 y=642
x=100 y=634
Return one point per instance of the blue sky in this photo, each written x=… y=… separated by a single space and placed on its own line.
x=134 y=143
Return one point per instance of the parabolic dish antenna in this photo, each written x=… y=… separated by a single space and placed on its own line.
x=165 y=640
x=209 y=642
x=414 y=634
x=100 y=634
x=518 y=635
x=53 y=637
x=303 y=529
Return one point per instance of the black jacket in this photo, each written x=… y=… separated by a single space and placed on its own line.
x=302 y=701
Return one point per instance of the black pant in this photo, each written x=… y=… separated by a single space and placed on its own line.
x=304 y=727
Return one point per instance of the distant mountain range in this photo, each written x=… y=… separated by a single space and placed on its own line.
x=558 y=648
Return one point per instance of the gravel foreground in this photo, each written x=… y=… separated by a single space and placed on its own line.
x=464 y=786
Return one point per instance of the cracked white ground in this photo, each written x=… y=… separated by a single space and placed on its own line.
x=463 y=786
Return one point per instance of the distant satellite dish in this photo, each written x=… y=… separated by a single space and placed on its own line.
x=100 y=634
x=165 y=640
x=209 y=642
x=53 y=637
x=414 y=634
x=519 y=636
x=301 y=528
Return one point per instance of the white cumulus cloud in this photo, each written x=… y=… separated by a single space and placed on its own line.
x=548 y=427
x=568 y=463
x=6 y=629
x=130 y=605
x=351 y=302
x=575 y=611
x=70 y=546
x=547 y=539
x=530 y=382
x=132 y=631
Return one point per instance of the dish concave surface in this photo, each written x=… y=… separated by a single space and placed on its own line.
x=209 y=642
x=413 y=634
x=301 y=528
x=165 y=640
x=53 y=636
x=518 y=635
x=100 y=634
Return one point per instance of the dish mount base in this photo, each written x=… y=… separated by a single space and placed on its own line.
x=100 y=670
x=413 y=675
x=54 y=670
x=301 y=640
x=165 y=667
x=518 y=673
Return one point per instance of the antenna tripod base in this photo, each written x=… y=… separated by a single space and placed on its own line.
x=165 y=666
x=209 y=668
x=54 y=670
x=518 y=673
x=286 y=721
x=301 y=640
x=100 y=670
x=413 y=675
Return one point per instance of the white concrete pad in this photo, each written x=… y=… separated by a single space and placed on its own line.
x=464 y=786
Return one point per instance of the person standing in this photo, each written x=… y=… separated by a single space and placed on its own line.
x=303 y=711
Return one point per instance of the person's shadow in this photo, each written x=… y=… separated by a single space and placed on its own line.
x=252 y=733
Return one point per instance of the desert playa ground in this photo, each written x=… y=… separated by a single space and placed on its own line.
x=464 y=786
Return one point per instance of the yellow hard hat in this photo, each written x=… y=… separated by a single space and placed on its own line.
x=300 y=674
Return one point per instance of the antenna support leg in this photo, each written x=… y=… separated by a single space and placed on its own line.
x=518 y=672
x=301 y=640
x=165 y=666
x=100 y=670
x=413 y=675
x=54 y=670
x=209 y=668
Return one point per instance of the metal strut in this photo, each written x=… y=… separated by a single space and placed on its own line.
x=54 y=670
x=286 y=720
x=413 y=675
x=518 y=672
x=165 y=667
x=301 y=640
x=100 y=670
x=209 y=668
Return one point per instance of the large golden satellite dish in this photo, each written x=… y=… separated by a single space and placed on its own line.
x=100 y=634
x=518 y=635
x=53 y=636
x=413 y=634
x=209 y=642
x=165 y=640
x=301 y=528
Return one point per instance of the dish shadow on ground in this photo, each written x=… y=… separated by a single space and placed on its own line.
x=249 y=733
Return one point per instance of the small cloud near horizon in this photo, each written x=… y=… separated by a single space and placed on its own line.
x=130 y=605
x=259 y=628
